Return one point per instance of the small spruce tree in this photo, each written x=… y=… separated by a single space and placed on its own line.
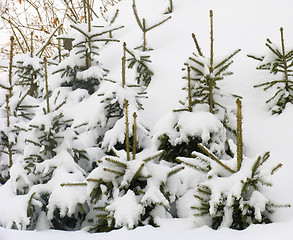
x=279 y=62
x=83 y=68
x=203 y=75
x=204 y=97
x=232 y=195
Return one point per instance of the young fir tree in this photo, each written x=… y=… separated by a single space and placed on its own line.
x=232 y=195
x=279 y=62
x=48 y=158
x=127 y=189
x=20 y=102
x=52 y=152
x=203 y=75
x=205 y=101
x=82 y=69
x=112 y=97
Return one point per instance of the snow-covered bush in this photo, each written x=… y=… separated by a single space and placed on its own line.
x=129 y=193
x=235 y=199
x=48 y=158
x=232 y=194
x=82 y=68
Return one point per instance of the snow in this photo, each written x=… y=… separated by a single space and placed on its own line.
x=126 y=210
x=244 y=24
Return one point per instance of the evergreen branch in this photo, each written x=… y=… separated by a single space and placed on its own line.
x=113 y=171
x=180 y=160
x=275 y=95
x=256 y=58
x=29 y=211
x=176 y=170
x=17 y=39
x=104 y=32
x=93 y=180
x=197 y=45
x=73 y=184
x=196 y=61
x=4 y=87
x=104 y=40
x=154 y=156
x=60 y=105
x=33 y=142
x=223 y=69
x=212 y=156
x=121 y=164
x=158 y=24
x=136 y=16
x=79 y=30
x=276 y=52
x=197 y=71
x=136 y=174
x=227 y=59
x=115 y=17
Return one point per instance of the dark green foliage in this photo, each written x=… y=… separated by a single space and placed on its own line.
x=205 y=74
x=204 y=85
x=120 y=178
x=144 y=73
x=27 y=78
x=69 y=223
x=278 y=62
x=49 y=138
x=89 y=84
x=87 y=51
x=239 y=205
x=183 y=149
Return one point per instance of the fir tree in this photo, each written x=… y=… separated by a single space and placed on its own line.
x=232 y=196
x=203 y=95
x=129 y=181
x=203 y=75
x=279 y=62
x=85 y=71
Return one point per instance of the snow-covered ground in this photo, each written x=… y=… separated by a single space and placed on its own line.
x=237 y=24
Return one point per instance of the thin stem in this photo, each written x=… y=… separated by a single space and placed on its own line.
x=134 y=135
x=32 y=44
x=10 y=65
x=124 y=65
x=212 y=43
x=8 y=125
x=59 y=45
x=189 y=90
x=127 y=129
x=144 y=35
x=213 y=157
x=210 y=81
x=7 y=110
x=210 y=78
x=47 y=89
x=89 y=15
x=239 y=135
x=284 y=60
